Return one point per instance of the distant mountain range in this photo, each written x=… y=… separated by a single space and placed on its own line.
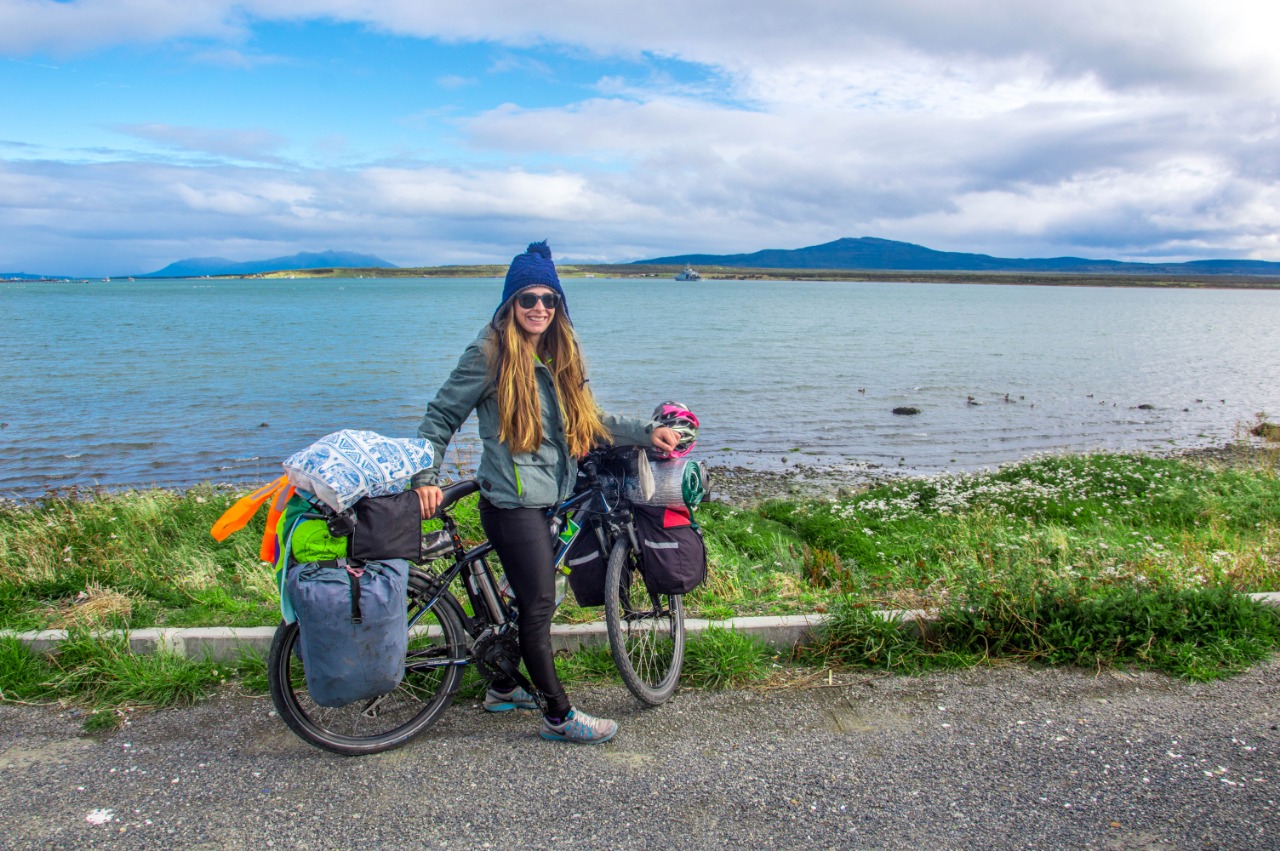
x=872 y=253
x=200 y=266
x=24 y=276
x=867 y=253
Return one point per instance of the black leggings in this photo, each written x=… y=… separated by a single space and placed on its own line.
x=523 y=542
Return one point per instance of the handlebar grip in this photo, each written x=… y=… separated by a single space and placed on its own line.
x=455 y=492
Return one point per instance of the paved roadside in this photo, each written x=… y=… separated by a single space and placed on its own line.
x=992 y=758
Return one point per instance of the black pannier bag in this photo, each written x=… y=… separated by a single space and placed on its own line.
x=387 y=527
x=587 y=565
x=674 y=554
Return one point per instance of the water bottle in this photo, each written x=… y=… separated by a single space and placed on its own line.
x=504 y=588
x=562 y=586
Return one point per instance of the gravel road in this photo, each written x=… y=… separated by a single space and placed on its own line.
x=1001 y=757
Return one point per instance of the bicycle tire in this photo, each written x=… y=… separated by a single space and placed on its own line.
x=646 y=631
x=388 y=721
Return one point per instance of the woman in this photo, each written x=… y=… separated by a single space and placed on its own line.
x=524 y=377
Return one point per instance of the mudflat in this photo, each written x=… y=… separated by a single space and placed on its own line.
x=994 y=757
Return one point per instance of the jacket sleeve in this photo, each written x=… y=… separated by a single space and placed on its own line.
x=454 y=402
x=628 y=431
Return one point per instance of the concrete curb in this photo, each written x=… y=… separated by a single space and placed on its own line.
x=230 y=643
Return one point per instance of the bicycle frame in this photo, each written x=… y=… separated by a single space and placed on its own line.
x=491 y=610
x=489 y=607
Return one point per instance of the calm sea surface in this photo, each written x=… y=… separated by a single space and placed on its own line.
x=178 y=382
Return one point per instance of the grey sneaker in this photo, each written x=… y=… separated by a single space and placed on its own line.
x=505 y=701
x=581 y=728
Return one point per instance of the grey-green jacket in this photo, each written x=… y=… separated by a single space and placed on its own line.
x=530 y=479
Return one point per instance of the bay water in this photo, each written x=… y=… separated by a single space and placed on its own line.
x=175 y=382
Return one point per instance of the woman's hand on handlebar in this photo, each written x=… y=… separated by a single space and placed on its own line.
x=429 y=498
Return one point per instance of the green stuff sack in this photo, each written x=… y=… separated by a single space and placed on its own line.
x=311 y=541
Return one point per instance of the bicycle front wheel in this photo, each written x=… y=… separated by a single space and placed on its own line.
x=433 y=669
x=646 y=631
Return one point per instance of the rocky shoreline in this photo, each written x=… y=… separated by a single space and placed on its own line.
x=738 y=485
x=745 y=486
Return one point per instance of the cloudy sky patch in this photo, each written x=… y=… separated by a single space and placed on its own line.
x=139 y=132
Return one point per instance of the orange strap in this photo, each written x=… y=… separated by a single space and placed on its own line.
x=235 y=517
x=268 y=550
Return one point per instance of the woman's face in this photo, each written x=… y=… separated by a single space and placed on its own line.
x=533 y=321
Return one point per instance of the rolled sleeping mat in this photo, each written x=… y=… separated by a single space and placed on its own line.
x=676 y=482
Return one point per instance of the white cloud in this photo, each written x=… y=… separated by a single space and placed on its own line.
x=514 y=64
x=252 y=145
x=65 y=28
x=274 y=198
x=480 y=194
x=231 y=58
x=1135 y=129
x=1132 y=44
x=454 y=81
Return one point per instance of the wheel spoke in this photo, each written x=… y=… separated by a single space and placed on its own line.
x=646 y=632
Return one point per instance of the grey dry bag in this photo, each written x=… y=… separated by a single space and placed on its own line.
x=353 y=628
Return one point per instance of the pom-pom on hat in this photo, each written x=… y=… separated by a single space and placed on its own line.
x=531 y=269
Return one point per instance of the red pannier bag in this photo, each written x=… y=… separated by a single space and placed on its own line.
x=673 y=552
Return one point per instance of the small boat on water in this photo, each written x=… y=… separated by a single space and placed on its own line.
x=688 y=274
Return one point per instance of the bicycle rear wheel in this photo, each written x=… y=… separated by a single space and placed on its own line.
x=646 y=631
x=433 y=669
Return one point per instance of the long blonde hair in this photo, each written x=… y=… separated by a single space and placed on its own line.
x=511 y=363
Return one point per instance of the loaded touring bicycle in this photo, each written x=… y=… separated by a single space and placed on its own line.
x=601 y=536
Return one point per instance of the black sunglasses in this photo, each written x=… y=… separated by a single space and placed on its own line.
x=527 y=300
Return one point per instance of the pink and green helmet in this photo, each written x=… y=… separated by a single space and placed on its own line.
x=679 y=418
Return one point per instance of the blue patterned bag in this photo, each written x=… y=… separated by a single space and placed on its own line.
x=343 y=467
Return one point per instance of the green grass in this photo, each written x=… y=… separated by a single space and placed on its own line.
x=136 y=559
x=1197 y=634
x=140 y=559
x=1087 y=521
x=101 y=674
x=713 y=659
x=723 y=658
x=1083 y=560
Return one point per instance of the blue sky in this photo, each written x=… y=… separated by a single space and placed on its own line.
x=137 y=132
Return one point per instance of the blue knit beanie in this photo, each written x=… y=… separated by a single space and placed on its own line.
x=531 y=269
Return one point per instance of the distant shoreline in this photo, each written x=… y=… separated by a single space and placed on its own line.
x=740 y=485
x=726 y=273
x=723 y=273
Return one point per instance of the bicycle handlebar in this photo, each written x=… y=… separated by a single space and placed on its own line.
x=589 y=464
x=454 y=492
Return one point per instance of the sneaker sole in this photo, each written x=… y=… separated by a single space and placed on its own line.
x=557 y=737
x=507 y=707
